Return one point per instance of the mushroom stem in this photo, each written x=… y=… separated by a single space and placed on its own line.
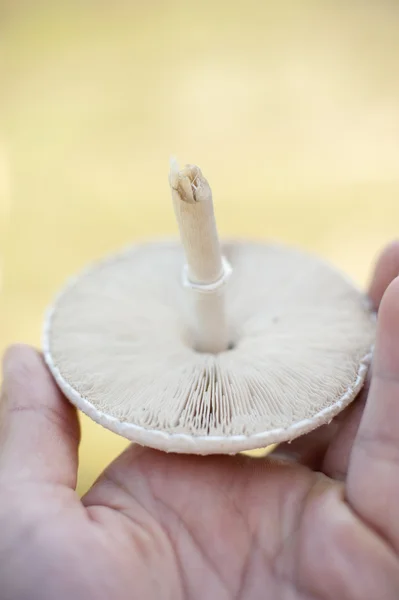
x=206 y=270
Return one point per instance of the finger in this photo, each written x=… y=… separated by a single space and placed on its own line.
x=39 y=437
x=309 y=449
x=386 y=269
x=373 y=481
x=336 y=461
x=327 y=448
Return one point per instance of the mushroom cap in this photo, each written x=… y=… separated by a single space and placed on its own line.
x=119 y=342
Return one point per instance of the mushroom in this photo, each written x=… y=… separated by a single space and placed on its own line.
x=203 y=347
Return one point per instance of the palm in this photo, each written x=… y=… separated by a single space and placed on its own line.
x=302 y=525
x=176 y=527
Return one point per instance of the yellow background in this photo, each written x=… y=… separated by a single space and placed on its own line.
x=291 y=109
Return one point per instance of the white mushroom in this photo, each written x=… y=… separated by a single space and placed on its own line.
x=209 y=348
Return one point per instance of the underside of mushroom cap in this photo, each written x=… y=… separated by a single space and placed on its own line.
x=119 y=341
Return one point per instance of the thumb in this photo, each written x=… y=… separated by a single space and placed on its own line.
x=39 y=436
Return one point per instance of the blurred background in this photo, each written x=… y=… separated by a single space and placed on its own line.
x=291 y=108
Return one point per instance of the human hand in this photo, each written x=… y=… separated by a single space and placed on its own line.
x=318 y=519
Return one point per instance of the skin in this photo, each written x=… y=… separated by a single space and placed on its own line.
x=316 y=520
